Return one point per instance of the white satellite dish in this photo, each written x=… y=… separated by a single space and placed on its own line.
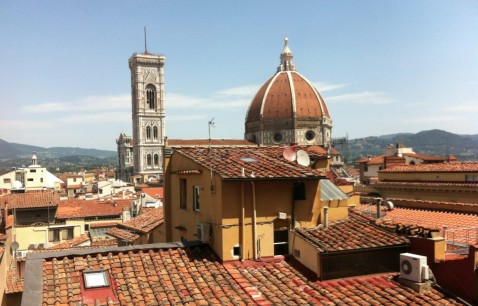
x=303 y=158
x=289 y=153
x=17 y=185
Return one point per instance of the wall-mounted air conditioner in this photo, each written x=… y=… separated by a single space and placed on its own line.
x=203 y=231
x=413 y=267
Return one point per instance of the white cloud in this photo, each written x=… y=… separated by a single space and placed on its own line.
x=87 y=104
x=429 y=118
x=242 y=91
x=362 y=98
x=99 y=117
x=191 y=102
x=466 y=107
x=323 y=86
x=24 y=124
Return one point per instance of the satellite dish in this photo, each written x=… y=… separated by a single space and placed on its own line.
x=14 y=245
x=389 y=205
x=289 y=153
x=303 y=158
x=17 y=185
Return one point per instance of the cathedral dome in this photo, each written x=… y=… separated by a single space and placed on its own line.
x=288 y=109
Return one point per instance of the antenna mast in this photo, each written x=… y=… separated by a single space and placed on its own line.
x=145 y=44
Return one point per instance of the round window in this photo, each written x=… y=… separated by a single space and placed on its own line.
x=278 y=137
x=310 y=135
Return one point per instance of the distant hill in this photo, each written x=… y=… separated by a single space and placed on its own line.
x=62 y=158
x=432 y=142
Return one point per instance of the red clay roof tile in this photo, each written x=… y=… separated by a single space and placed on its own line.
x=351 y=234
x=260 y=163
x=438 y=167
x=35 y=199
x=194 y=276
x=73 y=208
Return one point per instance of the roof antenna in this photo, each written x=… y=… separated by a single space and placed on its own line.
x=145 y=45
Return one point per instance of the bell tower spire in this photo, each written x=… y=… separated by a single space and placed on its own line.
x=286 y=56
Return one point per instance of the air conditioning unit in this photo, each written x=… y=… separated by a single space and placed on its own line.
x=413 y=267
x=203 y=232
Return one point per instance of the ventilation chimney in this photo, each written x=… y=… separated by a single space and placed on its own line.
x=326 y=216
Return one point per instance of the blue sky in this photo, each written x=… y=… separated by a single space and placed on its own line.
x=382 y=66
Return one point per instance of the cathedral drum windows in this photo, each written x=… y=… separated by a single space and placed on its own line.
x=309 y=135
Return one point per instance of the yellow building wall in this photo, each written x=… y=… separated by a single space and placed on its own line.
x=223 y=209
x=27 y=235
x=308 y=253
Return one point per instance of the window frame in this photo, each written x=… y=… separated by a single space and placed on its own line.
x=196 y=198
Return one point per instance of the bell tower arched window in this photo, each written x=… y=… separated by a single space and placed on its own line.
x=148 y=132
x=156 y=160
x=151 y=96
x=155 y=132
x=148 y=160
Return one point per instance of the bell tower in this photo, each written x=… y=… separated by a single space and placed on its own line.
x=147 y=99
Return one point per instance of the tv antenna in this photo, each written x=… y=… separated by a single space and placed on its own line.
x=210 y=123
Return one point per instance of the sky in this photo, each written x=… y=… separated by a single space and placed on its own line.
x=383 y=67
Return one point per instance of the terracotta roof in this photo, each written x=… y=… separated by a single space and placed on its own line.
x=167 y=275
x=350 y=234
x=438 y=167
x=425 y=157
x=259 y=163
x=145 y=222
x=30 y=200
x=103 y=224
x=14 y=283
x=286 y=95
x=207 y=142
x=123 y=234
x=75 y=242
x=426 y=183
x=154 y=192
x=458 y=224
x=73 y=208
x=375 y=160
x=280 y=283
x=104 y=243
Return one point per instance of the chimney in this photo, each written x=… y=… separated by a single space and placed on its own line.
x=326 y=216
x=379 y=212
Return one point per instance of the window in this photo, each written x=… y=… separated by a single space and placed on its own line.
x=183 y=201
x=6 y=181
x=309 y=135
x=30 y=180
x=41 y=180
x=150 y=96
x=236 y=250
x=54 y=235
x=278 y=137
x=156 y=160
x=148 y=160
x=33 y=170
x=196 y=198
x=155 y=132
x=67 y=233
x=148 y=132
x=96 y=279
x=471 y=178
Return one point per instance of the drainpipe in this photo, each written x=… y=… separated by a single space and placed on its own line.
x=254 y=231
x=243 y=242
x=326 y=216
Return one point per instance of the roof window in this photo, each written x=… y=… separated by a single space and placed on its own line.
x=248 y=159
x=96 y=279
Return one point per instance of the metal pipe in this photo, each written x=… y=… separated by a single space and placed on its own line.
x=254 y=230
x=243 y=240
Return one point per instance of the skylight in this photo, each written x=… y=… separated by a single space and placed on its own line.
x=96 y=279
x=248 y=159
